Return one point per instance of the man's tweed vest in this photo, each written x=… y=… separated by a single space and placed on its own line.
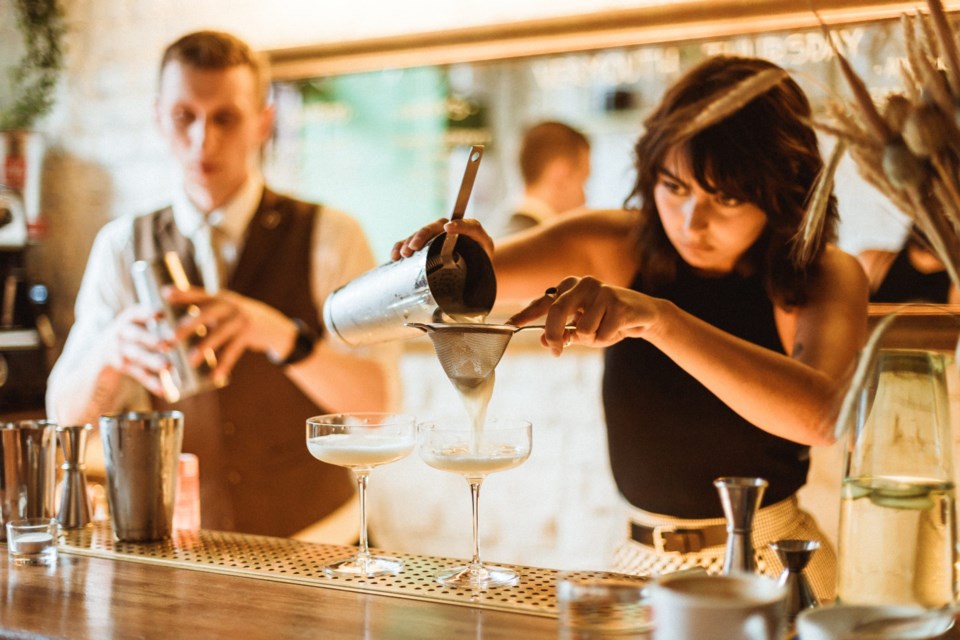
x=256 y=475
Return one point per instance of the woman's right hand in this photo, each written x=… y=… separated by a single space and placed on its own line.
x=465 y=226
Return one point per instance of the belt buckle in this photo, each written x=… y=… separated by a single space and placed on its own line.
x=658 y=531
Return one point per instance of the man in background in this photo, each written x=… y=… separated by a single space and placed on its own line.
x=266 y=262
x=555 y=166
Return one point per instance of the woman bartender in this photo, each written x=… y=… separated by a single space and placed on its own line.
x=722 y=357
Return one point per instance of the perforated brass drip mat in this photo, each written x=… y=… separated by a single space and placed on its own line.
x=295 y=562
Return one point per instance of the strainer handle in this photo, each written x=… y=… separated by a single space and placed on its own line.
x=569 y=327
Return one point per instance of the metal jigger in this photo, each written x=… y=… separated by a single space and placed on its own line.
x=740 y=498
x=74 y=510
x=795 y=554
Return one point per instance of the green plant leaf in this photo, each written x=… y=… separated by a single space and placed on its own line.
x=34 y=79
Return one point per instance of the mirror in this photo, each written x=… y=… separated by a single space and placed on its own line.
x=381 y=128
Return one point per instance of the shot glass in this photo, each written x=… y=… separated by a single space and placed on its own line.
x=32 y=541
x=597 y=605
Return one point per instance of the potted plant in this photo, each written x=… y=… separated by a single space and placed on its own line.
x=28 y=96
x=33 y=80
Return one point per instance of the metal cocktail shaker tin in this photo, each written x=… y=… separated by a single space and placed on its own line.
x=375 y=306
x=182 y=379
x=28 y=471
x=142 y=454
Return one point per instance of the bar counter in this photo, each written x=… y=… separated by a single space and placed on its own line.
x=212 y=584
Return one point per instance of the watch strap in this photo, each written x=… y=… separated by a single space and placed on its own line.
x=303 y=344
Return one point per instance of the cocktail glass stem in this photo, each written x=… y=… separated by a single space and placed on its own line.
x=475 y=565
x=363 y=555
x=364 y=564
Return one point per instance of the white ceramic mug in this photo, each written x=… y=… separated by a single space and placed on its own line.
x=734 y=607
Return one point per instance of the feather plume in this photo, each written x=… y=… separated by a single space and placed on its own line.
x=809 y=236
x=933 y=82
x=911 y=85
x=851 y=138
x=845 y=120
x=947 y=44
x=930 y=43
x=717 y=109
x=864 y=102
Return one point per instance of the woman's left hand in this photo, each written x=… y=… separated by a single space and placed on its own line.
x=602 y=314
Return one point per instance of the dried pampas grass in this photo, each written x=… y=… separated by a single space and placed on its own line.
x=909 y=148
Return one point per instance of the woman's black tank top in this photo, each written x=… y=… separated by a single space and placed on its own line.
x=670 y=437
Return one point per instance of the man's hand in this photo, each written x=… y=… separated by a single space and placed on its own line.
x=230 y=324
x=136 y=347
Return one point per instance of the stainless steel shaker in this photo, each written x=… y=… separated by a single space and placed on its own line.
x=182 y=379
x=375 y=306
x=28 y=453
x=142 y=453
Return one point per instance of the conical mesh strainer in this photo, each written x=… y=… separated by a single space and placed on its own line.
x=468 y=352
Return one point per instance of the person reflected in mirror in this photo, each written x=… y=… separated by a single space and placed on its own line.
x=554 y=163
x=912 y=274
x=266 y=262
x=723 y=357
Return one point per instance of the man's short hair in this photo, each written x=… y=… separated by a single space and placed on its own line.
x=544 y=142
x=217 y=50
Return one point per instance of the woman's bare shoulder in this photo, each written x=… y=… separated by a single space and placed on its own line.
x=599 y=225
x=840 y=272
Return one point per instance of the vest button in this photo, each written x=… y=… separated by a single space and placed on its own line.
x=234 y=477
x=229 y=428
x=271 y=220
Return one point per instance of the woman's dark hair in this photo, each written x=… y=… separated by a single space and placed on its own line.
x=765 y=153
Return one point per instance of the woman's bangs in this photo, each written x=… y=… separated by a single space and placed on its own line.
x=721 y=165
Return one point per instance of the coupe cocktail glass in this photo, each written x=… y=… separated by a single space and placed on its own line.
x=457 y=446
x=360 y=442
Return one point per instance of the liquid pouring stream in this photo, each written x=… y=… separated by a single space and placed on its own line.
x=469 y=353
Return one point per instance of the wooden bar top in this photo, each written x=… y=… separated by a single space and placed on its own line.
x=145 y=596
x=99 y=599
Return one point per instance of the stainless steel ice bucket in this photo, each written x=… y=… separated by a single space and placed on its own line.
x=142 y=452
x=374 y=306
x=28 y=471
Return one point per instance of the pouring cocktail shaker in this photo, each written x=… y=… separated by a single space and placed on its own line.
x=28 y=453
x=450 y=279
x=376 y=306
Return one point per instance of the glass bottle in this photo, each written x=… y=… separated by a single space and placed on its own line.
x=897 y=539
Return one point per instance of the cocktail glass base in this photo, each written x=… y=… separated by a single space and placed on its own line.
x=478 y=577
x=365 y=567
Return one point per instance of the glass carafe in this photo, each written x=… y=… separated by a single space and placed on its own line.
x=897 y=542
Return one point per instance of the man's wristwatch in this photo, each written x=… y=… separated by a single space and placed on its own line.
x=303 y=344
